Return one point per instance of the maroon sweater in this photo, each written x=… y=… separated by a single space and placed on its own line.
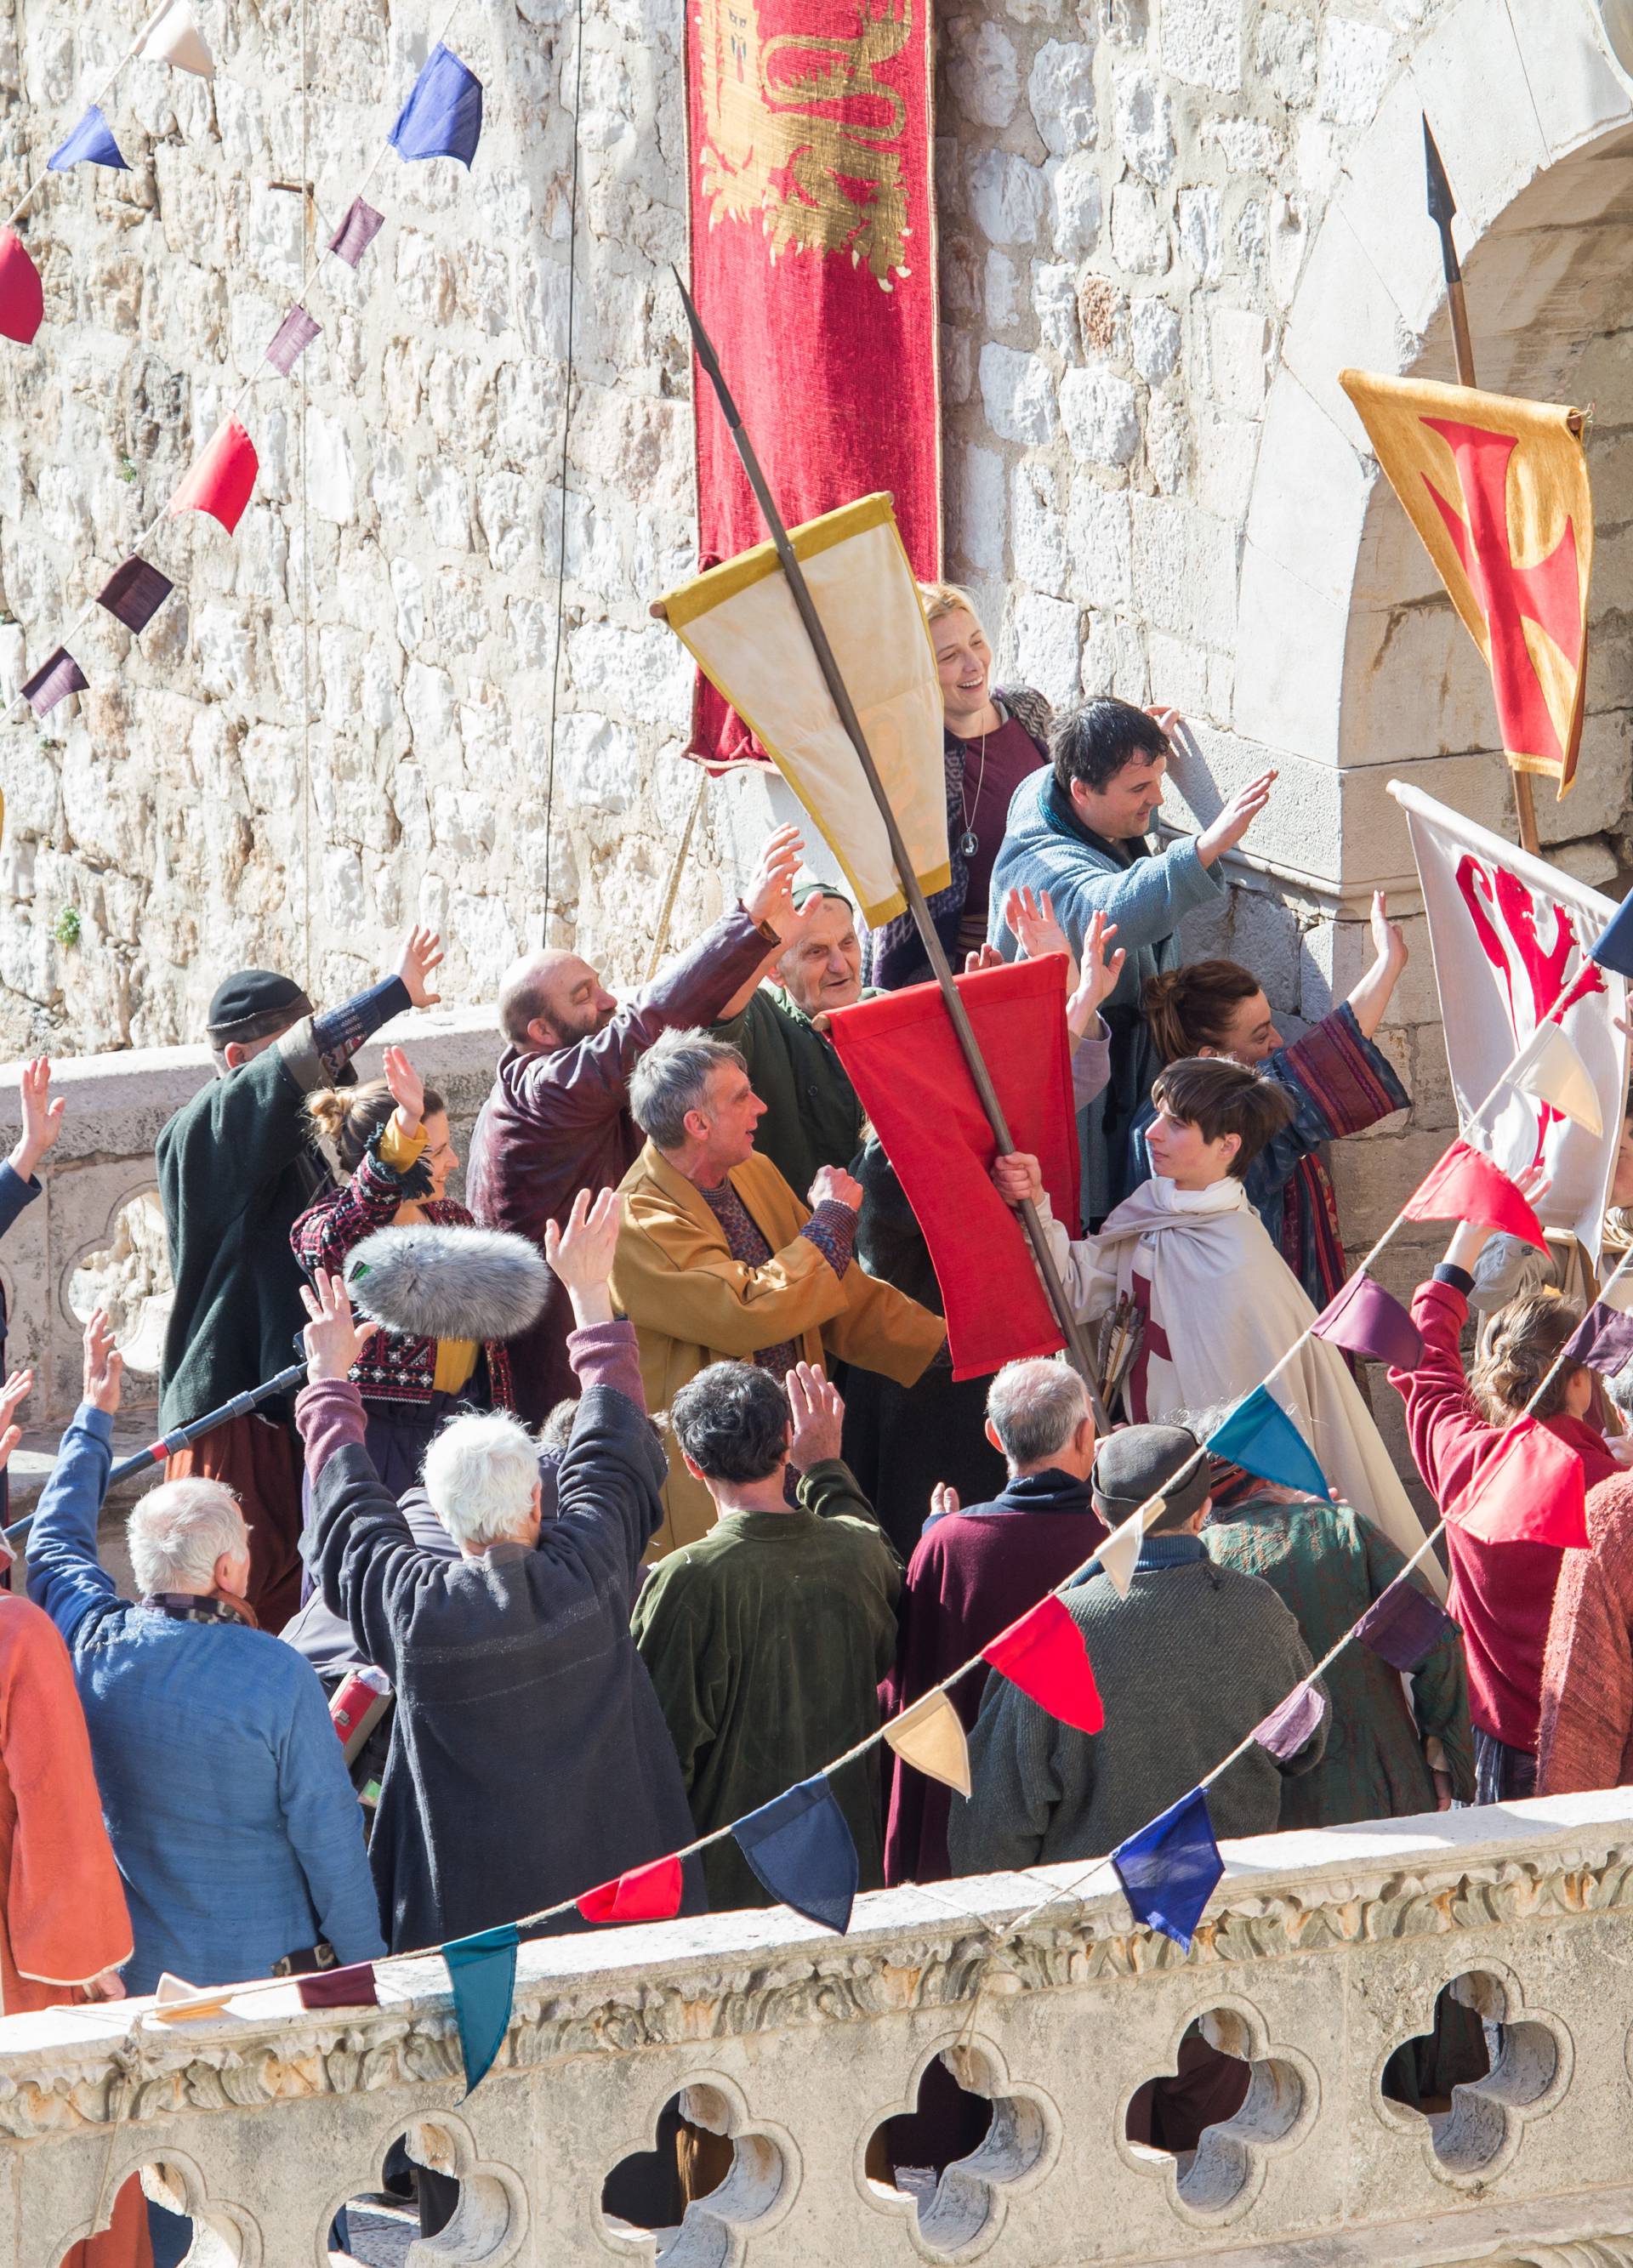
x=972 y=1574
x=558 y=1122
x=1501 y=1593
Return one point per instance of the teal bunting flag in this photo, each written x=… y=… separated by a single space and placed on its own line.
x=1261 y=1437
x=483 y=1972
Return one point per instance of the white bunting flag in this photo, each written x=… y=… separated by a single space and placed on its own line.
x=1552 y=1071
x=929 y=1737
x=176 y=40
x=1121 y=1547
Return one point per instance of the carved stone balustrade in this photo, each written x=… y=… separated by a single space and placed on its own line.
x=1320 y=1954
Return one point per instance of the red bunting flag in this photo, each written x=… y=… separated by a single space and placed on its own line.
x=1044 y=1653
x=22 y=300
x=651 y=1893
x=1464 y=1185
x=1528 y=1489
x=221 y=479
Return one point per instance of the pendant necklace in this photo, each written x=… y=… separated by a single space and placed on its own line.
x=969 y=842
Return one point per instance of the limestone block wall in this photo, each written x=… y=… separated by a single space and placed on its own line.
x=1319 y=1955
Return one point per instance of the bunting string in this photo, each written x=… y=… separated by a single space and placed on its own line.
x=1182 y=1831
x=355 y=232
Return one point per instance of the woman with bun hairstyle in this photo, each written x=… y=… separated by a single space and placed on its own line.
x=1501 y=1593
x=1338 y=1080
x=390 y=1137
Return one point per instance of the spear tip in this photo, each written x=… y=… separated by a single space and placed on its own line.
x=1442 y=203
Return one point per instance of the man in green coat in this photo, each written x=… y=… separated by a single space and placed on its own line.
x=765 y=1640
x=812 y=1116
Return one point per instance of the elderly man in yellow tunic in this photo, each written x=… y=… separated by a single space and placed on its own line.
x=719 y=1259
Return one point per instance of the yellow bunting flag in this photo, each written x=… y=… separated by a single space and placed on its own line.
x=740 y=623
x=1499 y=491
x=1551 y=1071
x=1121 y=1547
x=929 y=1737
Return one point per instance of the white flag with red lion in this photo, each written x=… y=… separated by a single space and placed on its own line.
x=1510 y=936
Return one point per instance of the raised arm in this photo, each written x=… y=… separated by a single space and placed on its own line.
x=1089 y=1285
x=42 y=1122
x=1372 y=996
x=64 y=1574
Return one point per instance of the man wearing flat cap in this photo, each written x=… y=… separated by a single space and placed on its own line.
x=1188 y=1664
x=236 y=1169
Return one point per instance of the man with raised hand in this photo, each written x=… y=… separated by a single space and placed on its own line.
x=237 y=1167
x=557 y=1120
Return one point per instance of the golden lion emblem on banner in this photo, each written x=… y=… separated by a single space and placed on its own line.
x=795 y=132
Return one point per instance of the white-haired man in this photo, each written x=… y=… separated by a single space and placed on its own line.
x=226 y=1799
x=529 y=1759
x=719 y=1261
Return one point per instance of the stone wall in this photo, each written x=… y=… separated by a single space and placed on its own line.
x=1163 y=226
x=1319 y=1955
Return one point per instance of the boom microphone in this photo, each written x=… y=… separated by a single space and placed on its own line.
x=426 y=1282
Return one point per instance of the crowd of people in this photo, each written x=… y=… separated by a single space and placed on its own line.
x=598 y=1638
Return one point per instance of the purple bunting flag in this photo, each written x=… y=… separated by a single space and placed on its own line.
x=1169 y=1869
x=1371 y=1322
x=293 y=335
x=802 y=1850
x=134 y=594
x=442 y=117
x=60 y=676
x=90 y=143
x=353 y=238
x=1403 y=1623
x=1602 y=1340
x=1289 y=1728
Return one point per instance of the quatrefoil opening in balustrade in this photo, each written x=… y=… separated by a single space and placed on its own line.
x=1477 y=2095
x=1228 y=2103
x=223 y=2235
x=717 y=2177
x=482 y=2223
x=955 y=2206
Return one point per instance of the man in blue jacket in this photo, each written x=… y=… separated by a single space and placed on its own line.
x=1078 y=829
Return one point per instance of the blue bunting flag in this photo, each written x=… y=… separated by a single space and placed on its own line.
x=442 y=117
x=483 y=1972
x=90 y=143
x=801 y=1850
x=1261 y=1437
x=1169 y=1869
x=1614 y=948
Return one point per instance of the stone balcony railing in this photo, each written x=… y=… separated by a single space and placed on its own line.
x=1319 y=1955
x=91 y=1237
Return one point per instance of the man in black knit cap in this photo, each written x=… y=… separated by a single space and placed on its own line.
x=237 y=1166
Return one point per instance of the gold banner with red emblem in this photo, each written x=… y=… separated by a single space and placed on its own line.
x=1499 y=491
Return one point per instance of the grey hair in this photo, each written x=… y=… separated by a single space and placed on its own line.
x=1035 y=1408
x=480 y=1472
x=671 y=1079
x=179 y=1530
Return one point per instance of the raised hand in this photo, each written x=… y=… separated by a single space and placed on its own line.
x=834 y=1184
x=420 y=956
x=943 y=1499
x=818 y=1416
x=770 y=894
x=408 y=1090
x=581 y=1251
x=15 y=1391
x=988 y=957
x=1032 y=920
x=1101 y=970
x=1017 y=1177
x=333 y=1339
x=1166 y=715
x=1388 y=939
x=1235 y=820
x=104 y=1364
x=42 y=1118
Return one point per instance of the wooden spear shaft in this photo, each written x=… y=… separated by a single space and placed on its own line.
x=839 y=694
x=1442 y=207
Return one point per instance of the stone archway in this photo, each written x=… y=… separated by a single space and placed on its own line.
x=1349 y=665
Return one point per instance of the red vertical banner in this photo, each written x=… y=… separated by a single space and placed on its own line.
x=813 y=265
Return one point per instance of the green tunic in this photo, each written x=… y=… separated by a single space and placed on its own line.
x=813 y=1117
x=765 y=1642
x=1327 y=1565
